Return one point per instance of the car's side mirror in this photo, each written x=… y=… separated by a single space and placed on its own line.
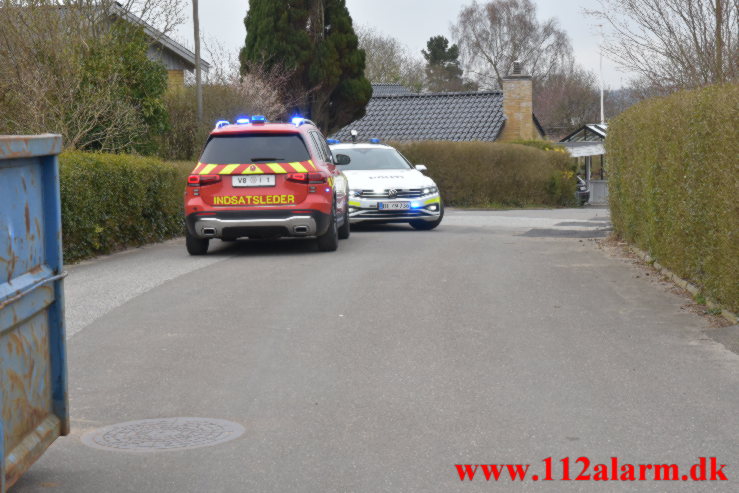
x=421 y=167
x=342 y=159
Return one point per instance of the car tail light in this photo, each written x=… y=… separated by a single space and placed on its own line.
x=202 y=180
x=298 y=177
x=306 y=177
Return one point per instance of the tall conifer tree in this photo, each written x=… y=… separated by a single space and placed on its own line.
x=315 y=41
x=443 y=71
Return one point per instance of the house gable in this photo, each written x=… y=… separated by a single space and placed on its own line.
x=175 y=57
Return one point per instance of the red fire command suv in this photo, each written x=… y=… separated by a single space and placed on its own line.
x=259 y=179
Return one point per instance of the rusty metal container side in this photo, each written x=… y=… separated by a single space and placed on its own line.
x=33 y=374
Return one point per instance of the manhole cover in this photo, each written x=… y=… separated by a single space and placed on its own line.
x=155 y=435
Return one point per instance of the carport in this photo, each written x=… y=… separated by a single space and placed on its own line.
x=586 y=143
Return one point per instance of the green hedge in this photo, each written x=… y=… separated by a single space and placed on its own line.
x=482 y=174
x=674 y=165
x=544 y=145
x=112 y=201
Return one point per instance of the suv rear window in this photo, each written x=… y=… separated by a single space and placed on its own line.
x=254 y=148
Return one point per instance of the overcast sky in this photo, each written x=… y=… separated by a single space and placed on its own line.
x=413 y=22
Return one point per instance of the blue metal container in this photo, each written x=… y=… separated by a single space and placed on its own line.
x=33 y=373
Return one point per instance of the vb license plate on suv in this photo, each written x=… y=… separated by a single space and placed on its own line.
x=253 y=181
x=394 y=205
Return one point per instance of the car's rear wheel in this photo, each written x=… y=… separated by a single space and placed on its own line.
x=195 y=245
x=429 y=225
x=329 y=241
x=345 y=229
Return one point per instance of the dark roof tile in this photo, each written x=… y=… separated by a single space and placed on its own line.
x=461 y=116
x=387 y=89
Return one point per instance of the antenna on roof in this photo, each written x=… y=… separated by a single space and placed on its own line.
x=354 y=136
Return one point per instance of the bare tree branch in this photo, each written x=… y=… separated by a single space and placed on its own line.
x=47 y=85
x=673 y=44
x=493 y=35
x=389 y=61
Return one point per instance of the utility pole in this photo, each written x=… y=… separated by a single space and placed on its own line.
x=719 y=42
x=198 y=80
x=602 y=41
x=317 y=24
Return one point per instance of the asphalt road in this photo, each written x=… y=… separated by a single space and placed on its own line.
x=499 y=338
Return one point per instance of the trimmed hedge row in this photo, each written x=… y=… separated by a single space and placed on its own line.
x=112 y=201
x=674 y=166
x=483 y=174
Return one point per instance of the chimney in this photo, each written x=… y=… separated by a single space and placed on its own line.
x=518 y=106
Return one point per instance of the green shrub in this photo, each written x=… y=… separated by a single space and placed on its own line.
x=236 y=96
x=113 y=201
x=182 y=139
x=89 y=80
x=544 y=145
x=673 y=185
x=483 y=174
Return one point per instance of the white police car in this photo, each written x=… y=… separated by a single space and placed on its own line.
x=384 y=187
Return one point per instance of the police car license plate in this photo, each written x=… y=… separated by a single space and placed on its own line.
x=253 y=180
x=393 y=205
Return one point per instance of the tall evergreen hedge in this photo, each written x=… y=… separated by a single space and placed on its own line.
x=485 y=174
x=114 y=201
x=314 y=40
x=674 y=185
